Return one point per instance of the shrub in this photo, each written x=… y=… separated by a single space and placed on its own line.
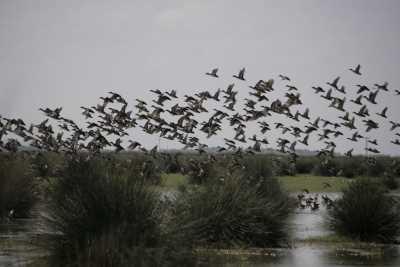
x=99 y=208
x=326 y=167
x=378 y=168
x=17 y=186
x=305 y=164
x=365 y=212
x=390 y=182
x=231 y=212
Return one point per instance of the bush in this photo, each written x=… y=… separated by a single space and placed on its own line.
x=232 y=212
x=390 y=182
x=17 y=186
x=377 y=169
x=99 y=208
x=305 y=164
x=365 y=212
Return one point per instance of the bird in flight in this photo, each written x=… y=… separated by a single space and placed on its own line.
x=284 y=78
x=334 y=84
x=356 y=70
x=240 y=75
x=213 y=73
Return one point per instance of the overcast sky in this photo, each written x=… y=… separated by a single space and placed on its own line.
x=69 y=53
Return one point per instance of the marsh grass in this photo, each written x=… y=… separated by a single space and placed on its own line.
x=102 y=213
x=231 y=213
x=365 y=212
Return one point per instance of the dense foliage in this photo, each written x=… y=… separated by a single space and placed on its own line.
x=232 y=212
x=365 y=212
x=101 y=207
x=18 y=190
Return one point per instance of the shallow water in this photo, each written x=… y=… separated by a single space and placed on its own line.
x=17 y=240
x=311 y=256
x=309 y=224
x=18 y=247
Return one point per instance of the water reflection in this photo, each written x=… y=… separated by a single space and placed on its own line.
x=313 y=257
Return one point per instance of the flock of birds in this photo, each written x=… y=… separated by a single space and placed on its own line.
x=176 y=118
x=306 y=200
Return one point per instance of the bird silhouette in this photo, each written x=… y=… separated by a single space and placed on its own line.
x=383 y=113
x=356 y=70
x=213 y=73
x=334 y=83
x=284 y=78
x=382 y=86
x=318 y=89
x=240 y=75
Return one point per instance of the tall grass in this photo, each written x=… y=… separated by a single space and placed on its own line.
x=365 y=212
x=102 y=212
x=18 y=191
x=230 y=213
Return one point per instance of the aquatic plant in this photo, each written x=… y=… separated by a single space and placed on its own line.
x=102 y=211
x=232 y=212
x=366 y=212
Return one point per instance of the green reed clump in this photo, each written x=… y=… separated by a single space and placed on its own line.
x=366 y=212
x=18 y=190
x=231 y=212
x=102 y=211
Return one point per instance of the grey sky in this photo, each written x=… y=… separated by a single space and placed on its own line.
x=68 y=53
